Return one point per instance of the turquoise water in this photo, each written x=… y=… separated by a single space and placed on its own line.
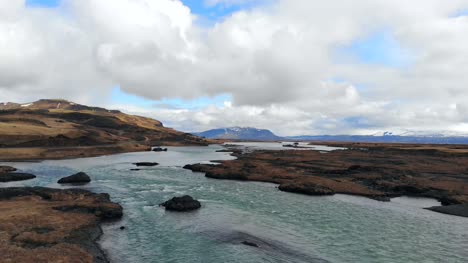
x=287 y=227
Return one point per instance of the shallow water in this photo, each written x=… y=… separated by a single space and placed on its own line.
x=279 y=146
x=287 y=227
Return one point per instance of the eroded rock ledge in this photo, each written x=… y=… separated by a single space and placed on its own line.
x=52 y=225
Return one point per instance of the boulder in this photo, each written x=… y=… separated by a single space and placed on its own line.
x=159 y=149
x=149 y=164
x=306 y=188
x=12 y=177
x=79 y=178
x=181 y=204
x=250 y=244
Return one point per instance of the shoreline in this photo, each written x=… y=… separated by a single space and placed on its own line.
x=54 y=224
x=37 y=154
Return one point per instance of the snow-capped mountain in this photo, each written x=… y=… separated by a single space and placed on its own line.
x=239 y=133
x=413 y=133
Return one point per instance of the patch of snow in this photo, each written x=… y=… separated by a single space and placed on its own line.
x=26 y=105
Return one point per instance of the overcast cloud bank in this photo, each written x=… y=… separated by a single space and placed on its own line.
x=288 y=65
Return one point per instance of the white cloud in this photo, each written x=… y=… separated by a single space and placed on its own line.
x=277 y=62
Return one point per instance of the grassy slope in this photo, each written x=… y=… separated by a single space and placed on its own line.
x=39 y=129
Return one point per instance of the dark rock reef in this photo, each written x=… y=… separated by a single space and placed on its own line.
x=456 y=210
x=146 y=164
x=79 y=178
x=52 y=225
x=307 y=188
x=159 y=149
x=250 y=244
x=181 y=204
x=12 y=177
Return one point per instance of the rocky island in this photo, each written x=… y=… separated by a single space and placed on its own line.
x=377 y=171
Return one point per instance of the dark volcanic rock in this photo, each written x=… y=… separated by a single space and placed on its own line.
x=12 y=177
x=159 y=149
x=181 y=204
x=447 y=200
x=381 y=198
x=251 y=244
x=308 y=189
x=7 y=169
x=194 y=167
x=456 y=210
x=149 y=164
x=79 y=178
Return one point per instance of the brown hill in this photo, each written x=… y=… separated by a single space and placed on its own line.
x=61 y=124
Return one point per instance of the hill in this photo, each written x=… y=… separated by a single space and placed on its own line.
x=61 y=124
x=239 y=133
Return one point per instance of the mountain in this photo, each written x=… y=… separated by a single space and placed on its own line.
x=61 y=123
x=254 y=134
x=239 y=133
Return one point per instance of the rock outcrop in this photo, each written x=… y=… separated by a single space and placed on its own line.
x=456 y=210
x=12 y=177
x=159 y=149
x=79 y=178
x=308 y=189
x=146 y=164
x=181 y=204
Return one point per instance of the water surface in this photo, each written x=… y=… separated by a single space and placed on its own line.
x=287 y=227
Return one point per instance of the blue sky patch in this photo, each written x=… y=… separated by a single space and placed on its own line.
x=43 y=3
x=380 y=48
x=461 y=13
x=211 y=12
x=214 y=13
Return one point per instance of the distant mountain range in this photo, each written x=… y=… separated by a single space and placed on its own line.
x=254 y=134
x=239 y=133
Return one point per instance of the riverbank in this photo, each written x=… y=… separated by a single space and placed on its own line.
x=377 y=171
x=51 y=225
x=23 y=154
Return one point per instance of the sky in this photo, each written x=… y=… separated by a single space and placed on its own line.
x=294 y=67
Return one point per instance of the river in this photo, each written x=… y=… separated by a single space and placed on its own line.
x=287 y=227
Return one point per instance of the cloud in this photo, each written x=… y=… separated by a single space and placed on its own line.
x=278 y=61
